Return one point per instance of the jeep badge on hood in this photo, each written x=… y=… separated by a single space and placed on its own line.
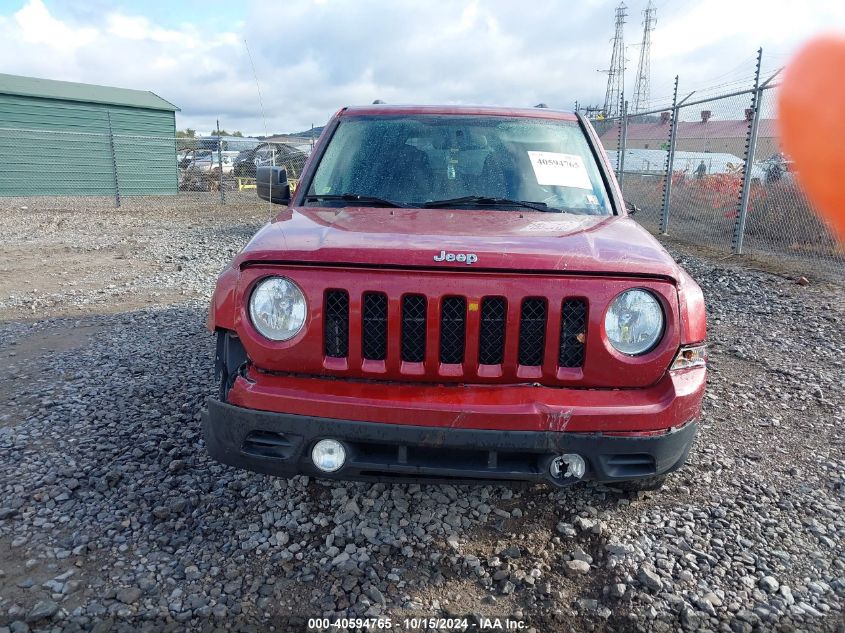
x=467 y=258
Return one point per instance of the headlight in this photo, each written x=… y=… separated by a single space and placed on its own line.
x=277 y=308
x=634 y=322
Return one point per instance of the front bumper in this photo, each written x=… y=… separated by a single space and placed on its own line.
x=280 y=444
x=671 y=402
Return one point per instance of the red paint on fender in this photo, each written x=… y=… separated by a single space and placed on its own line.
x=693 y=313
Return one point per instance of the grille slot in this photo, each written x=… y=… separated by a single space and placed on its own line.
x=413 y=328
x=633 y=465
x=452 y=329
x=573 y=331
x=532 y=331
x=268 y=444
x=336 y=324
x=491 y=334
x=374 y=326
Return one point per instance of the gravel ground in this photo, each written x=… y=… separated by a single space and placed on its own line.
x=112 y=517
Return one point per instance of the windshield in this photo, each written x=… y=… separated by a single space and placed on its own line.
x=460 y=162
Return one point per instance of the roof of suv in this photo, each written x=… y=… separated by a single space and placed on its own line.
x=385 y=109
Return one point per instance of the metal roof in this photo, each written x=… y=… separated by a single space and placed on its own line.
x=737 y=128
x=89 y=93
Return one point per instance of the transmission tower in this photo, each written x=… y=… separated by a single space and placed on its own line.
x=642 y=88
x=616 y=72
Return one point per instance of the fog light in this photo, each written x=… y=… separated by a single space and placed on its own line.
x=328 y=455
x=569 y=465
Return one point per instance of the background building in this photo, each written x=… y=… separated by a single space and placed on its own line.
x=705 y=135
x=60 y=138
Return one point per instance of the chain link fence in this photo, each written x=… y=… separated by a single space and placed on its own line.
x=642 y=167
x=56 y=169
x=710 y=172
x=781 y=221
x=707 y=171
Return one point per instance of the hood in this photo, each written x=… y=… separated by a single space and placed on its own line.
x=460 y=239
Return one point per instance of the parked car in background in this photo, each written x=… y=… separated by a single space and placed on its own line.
x=199 y=170
x=270 y=155
x=776 y=168
x=205 y=160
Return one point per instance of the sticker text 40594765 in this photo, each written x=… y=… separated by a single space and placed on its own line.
x=561 y=170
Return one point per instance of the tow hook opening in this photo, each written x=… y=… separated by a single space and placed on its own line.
x=567 y=469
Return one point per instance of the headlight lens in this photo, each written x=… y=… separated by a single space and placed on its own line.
x=277 y=308
x=634 y=322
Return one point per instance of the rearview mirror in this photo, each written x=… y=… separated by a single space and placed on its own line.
x=631 y=207
x=272 y=184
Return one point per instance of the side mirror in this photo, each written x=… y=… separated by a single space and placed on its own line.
x=271 y=184
x=631 y=208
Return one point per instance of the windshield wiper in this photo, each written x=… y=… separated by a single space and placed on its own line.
x=488 y=201
x=353 y=197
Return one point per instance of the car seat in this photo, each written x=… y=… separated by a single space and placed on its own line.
x=500 y=176
x=406 y=175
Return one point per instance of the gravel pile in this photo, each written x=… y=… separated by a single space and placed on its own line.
x=112 y=517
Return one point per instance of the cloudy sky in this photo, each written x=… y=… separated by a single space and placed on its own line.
x=314 y=56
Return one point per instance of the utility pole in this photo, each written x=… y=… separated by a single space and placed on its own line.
x=642 y=88
x=594 y=112
x=616 y=72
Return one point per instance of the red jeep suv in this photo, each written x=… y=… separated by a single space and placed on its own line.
x=455 y=294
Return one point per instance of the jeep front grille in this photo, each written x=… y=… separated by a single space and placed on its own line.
x=465 y=330
x=532 y=331
x=374 y=326
x=573 y=333
x=413 y=328
x=491 y=333
x=336 y=324
x=453 y=312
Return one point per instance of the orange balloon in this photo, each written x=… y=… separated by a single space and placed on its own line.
x=812 y=124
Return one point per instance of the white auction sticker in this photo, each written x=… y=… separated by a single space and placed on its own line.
x=561 y=170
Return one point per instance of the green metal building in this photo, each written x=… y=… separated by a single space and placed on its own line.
x=64 y=138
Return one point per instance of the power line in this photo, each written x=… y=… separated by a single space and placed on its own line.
x=642 y=87
x=616 y=72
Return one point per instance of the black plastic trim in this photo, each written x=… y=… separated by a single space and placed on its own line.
x=229 y=357
x=430 y=454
